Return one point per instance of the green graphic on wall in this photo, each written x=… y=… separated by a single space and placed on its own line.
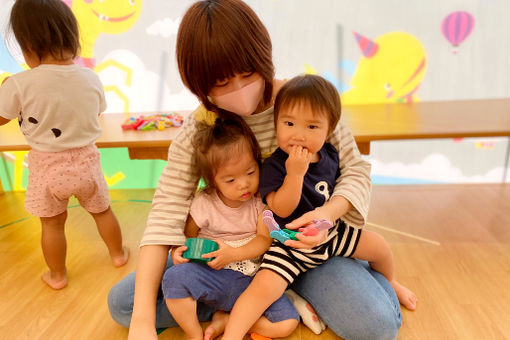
x=120 y=172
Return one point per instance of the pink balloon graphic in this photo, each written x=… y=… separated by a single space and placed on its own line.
x=456 y=27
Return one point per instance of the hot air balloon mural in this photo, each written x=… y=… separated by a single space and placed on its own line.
x=456 y=27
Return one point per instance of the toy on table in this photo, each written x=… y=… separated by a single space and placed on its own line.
x=283 y=235
x=158 y=121
x=197 y=247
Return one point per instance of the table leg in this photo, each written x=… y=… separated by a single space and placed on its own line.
x=364 y=147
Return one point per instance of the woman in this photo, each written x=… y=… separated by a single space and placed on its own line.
x=224 y=55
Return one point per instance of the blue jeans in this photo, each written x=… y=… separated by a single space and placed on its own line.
x=218 y=288
x=353 y=300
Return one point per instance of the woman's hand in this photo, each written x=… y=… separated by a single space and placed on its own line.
x=177 y=255
x=223 y=256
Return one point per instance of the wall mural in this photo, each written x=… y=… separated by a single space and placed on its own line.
x=456 y=27
x=391 y=52
x=94 y=18
x=390 y=70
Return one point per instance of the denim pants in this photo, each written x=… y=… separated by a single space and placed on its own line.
x=354 y=301
x=219 y=289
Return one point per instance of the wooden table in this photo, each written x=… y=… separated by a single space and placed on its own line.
x=141 y=144
x=374 y=122
x=426 y=120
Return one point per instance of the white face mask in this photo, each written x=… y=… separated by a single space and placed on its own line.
x=243 y=101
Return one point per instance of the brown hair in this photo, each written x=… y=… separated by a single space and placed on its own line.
x=218 y=38
x=216 y=144
x=45 y=27
x=314 y=90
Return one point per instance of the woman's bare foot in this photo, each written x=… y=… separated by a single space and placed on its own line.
x=55 y=280
x=405 y=296
x=217 y=326
x=119 y=261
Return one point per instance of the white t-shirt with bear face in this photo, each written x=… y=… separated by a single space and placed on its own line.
x=57 y=106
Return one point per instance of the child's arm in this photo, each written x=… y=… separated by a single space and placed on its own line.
x=190 y=230
x=332 y=210
x=256 y=247
x=286 y=199
x=3 y=120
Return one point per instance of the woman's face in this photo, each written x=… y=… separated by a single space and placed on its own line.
x=238 y=81
x=240 y=94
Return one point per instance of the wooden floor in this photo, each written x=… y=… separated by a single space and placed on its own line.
x=451 y=245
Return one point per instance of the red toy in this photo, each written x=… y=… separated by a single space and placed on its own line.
x=153 y=122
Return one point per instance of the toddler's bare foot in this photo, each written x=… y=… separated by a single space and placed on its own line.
x=119 y=261
x=405 y=296
x=217 y=326
x=55 y=280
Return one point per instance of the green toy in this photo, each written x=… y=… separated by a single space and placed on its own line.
x=197 y=247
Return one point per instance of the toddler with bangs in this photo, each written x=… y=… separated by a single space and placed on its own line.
x=297 y=178
x=57 y=105
x=228 y=211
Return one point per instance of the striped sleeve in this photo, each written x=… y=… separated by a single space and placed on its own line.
x=354 y=182
x=175 y=189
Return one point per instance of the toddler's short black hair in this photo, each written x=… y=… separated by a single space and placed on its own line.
x=312 y=90
x=45 y=27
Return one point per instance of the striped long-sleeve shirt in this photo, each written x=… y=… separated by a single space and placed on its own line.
x=178 y=181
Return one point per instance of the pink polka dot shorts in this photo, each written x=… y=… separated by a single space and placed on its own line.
x=53 y=177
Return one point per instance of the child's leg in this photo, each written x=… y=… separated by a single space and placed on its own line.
x=270 y=329
x=184 y=312
x=109 y=229
x=266 y=288
x=262 y=326
x=217 y=325
x=373 y=248
x=54 y=247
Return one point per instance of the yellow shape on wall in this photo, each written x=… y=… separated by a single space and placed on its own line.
x=390 y=71
x=96 y=17
x=119 y=176
x=115 y=64
x=119 y=93
x=19 y=158
x=309 y=69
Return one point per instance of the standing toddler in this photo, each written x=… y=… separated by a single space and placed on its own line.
x=57 y=104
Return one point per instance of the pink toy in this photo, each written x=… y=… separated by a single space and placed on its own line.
x=283 y=235
x=317 y=226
